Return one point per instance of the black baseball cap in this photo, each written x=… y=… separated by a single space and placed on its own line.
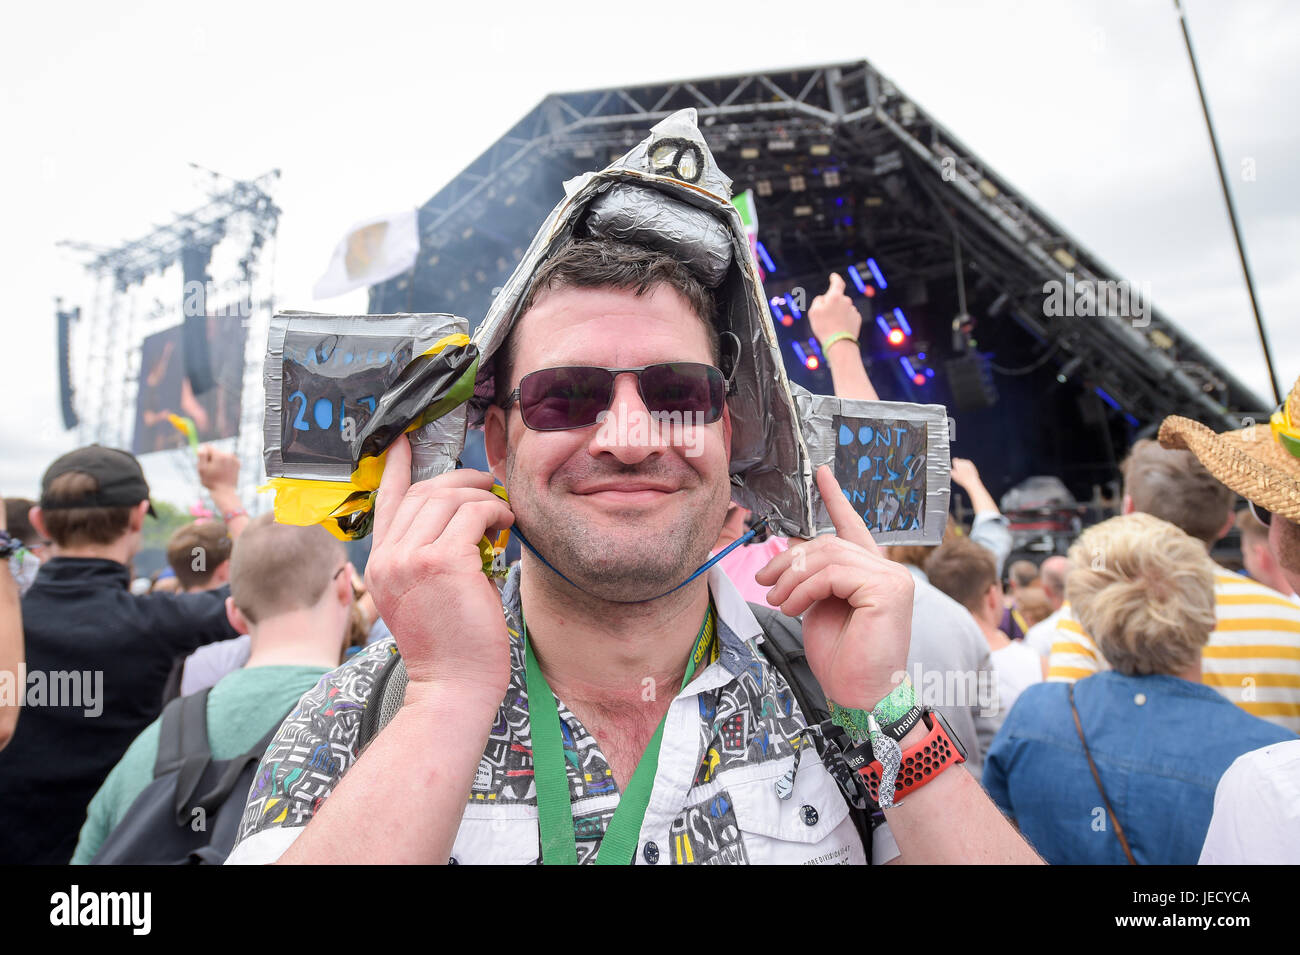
x=121 y=482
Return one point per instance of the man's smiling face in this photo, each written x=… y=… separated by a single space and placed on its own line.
x=620 y=511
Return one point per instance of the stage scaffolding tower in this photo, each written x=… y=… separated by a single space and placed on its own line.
x=136 y=290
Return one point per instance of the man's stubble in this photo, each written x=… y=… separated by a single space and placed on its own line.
x=645 y=560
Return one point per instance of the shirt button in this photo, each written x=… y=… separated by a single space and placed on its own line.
x=810 y=815
x=651 y=853
x=1140 y=699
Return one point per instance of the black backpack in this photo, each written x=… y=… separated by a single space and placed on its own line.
x=190 y=813
x=783 y=647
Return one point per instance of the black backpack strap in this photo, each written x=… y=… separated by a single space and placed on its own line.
x=196 y=753
x=783 y=647
x=170 y=751
x=172 y=688
x=216 y=797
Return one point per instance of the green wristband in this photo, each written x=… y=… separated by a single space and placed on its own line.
x=832 y=339
x=894 y=708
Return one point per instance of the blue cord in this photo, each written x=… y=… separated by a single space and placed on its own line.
x=738 y=542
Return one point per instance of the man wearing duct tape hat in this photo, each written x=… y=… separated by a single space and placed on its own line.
x=1256 y=811
x=621 y=711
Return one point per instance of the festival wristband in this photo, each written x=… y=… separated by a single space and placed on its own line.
x=896 y=714
x=918 y=765
x=837 y=336
x=233 y=514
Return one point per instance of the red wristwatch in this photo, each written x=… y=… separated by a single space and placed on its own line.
x=927 y=759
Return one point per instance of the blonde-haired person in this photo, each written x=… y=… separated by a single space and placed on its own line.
x=1253 y=654
x=1159 y=739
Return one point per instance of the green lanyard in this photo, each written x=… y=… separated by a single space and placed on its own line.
x=554 y=811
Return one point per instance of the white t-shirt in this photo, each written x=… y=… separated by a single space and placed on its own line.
x=1042 y=635
x=208 y=664
x=1017 y=667
x=1257 y=810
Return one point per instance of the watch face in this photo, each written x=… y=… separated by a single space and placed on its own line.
x=961 y=748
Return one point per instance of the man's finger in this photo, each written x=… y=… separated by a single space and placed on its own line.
x=848 y=524
x=423 y=515
x=448 y=485
x=471 y=523
x=845 y=555
x=836 y=284
x=393 y=485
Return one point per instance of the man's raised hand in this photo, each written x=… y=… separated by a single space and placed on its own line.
x=833 y=311
x=856 y=604
x=426 y=576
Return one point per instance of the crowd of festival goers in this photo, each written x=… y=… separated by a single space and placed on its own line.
x=1129 y=700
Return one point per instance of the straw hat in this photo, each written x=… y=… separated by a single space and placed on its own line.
x=1261 y=462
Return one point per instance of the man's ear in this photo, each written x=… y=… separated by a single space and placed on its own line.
x=494 y=442
x=343 y=586
x=137 y=516
x=236 y=616
x=37 y=519
x=1227 y=527
x=1126 y=507
x=726 y=429
x=993 y=600
x=222 y=574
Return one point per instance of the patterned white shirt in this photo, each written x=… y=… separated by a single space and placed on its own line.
x=729 y=736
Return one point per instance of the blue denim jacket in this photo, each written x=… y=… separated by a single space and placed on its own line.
x=1160 y=744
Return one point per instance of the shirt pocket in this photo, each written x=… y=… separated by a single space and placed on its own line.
x=502 y=835
x=812 y=827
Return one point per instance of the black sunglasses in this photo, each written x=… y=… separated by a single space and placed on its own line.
x=1261 y=515
x=574 y=396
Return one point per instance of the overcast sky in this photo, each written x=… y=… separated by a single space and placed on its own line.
x=1088 y=108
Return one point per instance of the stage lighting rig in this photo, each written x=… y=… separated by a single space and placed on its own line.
x=894 y=326
x=917 y=368
x=808 y=352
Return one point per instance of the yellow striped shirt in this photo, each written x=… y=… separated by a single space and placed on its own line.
x=1252 y=658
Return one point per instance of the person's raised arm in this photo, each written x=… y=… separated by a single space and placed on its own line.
x=966 y=476
x=403 y=800
x=219 y=473
x=836 y=322
x=11 y=647
x=989 y=528
x=857 y=621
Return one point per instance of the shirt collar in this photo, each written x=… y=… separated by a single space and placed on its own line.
x=82 y=570
x=737 y=625
x=1162 y=683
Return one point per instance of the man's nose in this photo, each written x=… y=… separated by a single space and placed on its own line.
x=629 y=431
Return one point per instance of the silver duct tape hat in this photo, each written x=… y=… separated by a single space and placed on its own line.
x=668 y=193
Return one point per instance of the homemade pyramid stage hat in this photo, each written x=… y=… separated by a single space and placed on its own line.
x=667 y=193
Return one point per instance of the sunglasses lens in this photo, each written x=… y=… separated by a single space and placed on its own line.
x=556 y=399
x=1261 y=515
x=684 y=387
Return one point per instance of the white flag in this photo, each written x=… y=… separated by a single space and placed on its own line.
x=372 y=252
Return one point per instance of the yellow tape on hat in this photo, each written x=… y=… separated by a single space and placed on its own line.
x=333 y=504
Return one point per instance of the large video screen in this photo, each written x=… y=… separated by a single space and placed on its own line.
x=165 y=390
